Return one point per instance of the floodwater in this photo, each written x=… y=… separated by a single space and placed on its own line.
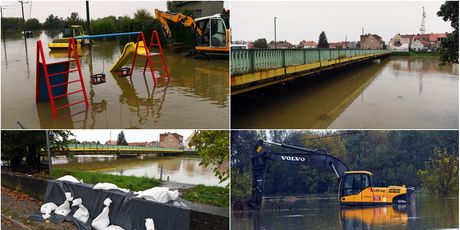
x=181 y=169
x=195 y=97
x=326 y=213
x=391 y=93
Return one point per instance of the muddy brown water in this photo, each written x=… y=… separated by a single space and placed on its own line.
x=326 y=213
x=391 y=93
x=195 y=97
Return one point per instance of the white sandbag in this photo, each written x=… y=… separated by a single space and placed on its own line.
x=158 y=194
x=69 y=178
x=101 y=222
x=82 y=213
x=64 y=208
x=149 y=225
x=114 y=227
x=47 y=208
x=108 y=186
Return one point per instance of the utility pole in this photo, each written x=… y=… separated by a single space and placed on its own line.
x=23 y=19
x=49 y=152
x=274 y=19
x=88 y=20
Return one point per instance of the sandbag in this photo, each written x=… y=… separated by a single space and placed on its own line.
x=149 y=225
x=158 y=194
x=82 y=213
x=64 y=208
x=69 y=178
x=108 y=186
x=47 y=208
x=102 y=221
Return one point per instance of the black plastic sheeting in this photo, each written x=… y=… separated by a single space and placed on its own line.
x=126 y=210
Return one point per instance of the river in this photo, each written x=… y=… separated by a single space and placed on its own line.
x=195 y=97
x=181 y=169
x=391 y=93
x=326 y=213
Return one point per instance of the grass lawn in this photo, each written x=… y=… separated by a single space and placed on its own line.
x=211 y=195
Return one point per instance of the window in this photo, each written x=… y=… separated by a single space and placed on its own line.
x=354 y=184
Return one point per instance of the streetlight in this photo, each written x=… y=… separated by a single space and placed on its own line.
x=274 y=21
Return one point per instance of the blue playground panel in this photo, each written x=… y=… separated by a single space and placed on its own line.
x=54 y=80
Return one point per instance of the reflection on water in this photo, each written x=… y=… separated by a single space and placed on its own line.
x=195 y=97
x=179 y=169
x=390 y=93
x=326 y=213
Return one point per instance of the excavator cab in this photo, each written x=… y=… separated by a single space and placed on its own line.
x=352 y=184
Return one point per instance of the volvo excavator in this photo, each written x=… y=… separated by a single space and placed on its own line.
x=355 y=187
x=212 y=32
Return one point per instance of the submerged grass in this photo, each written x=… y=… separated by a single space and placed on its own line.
x=210 y=195
x=130 y=182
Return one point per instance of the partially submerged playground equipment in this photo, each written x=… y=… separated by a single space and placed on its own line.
x=212 y=32
x=355 y=189
x=52 y=79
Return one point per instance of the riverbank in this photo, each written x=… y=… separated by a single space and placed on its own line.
x=412 y=54
x=202 y=194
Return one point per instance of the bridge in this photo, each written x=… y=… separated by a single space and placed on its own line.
x=80 y=149
x=256 y=68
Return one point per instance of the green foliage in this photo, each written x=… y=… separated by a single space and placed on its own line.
x=105 y=25
x=441 y=173
x=210 y=195
x=12 y=23
x=176 y=7
x=33 y=24
x=322 y=41
x=122 y=139
x=74 y=19
x=53 y=22
x=449 y=46
x=213 y=147
x=241 y=185
x=260 y=43
x=129 y=182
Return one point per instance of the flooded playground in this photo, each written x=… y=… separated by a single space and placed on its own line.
x=326 y=213
x=390 y=93
x=180 y=169
x=195 y=97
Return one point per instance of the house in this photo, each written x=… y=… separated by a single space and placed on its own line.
x=400 y=43
x=338 y=45
x=171 y=140
x=141 y=144
x=280 y=45
x=404 y=43
x=202 y=8
x=371 y=41
x=187 y=142
x=419 y=45
x=153 y=144
x=111 y=142
x=353 y=45
x=307 y=44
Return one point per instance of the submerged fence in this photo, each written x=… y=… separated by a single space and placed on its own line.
x=251 y=60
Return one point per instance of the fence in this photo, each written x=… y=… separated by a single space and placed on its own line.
x=101 y=147
x=252 y=60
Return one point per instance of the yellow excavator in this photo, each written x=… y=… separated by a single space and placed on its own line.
x=355 y=189
x=212 y=32
x=63 y=43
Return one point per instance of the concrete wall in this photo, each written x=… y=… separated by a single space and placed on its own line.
x=202 y=217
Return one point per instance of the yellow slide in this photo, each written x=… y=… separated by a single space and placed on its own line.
x=127 y=54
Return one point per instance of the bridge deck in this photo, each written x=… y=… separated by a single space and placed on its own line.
x=257 y=68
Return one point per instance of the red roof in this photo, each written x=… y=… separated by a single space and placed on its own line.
x=436 y=37
x=308 y=43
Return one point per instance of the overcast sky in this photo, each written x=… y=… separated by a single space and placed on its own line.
x=98 y=9
x=132 y=135
x=298 y=21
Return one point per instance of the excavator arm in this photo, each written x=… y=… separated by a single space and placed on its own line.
x=187 y=21
x=315 y=157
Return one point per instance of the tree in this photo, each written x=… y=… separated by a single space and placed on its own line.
x=322 y=41
x=74 y=19
x=213 y=147
x=441 y=173
x=17 y=145
x=449 y=46
x=53 y=22
x=33 y=24
x=260 y=43
x=176 y=6
x=121 y=139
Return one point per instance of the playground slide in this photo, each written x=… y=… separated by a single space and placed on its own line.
x=126 y=55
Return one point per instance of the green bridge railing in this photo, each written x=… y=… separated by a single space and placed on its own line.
x=252 y=60
x=101 y=147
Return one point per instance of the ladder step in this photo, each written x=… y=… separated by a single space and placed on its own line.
x=60 y=73
x=68 y=105
x=67 y=94
x=65 y=83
